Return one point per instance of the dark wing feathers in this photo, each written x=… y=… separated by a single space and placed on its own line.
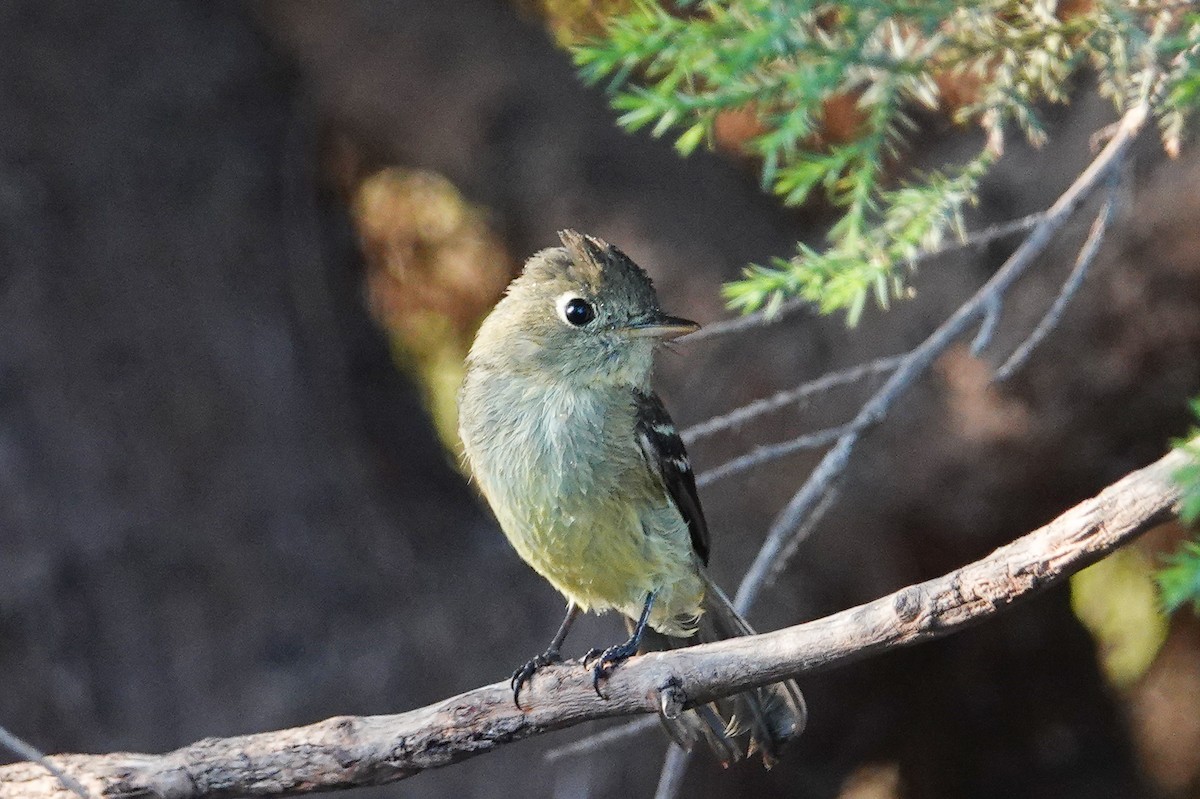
x=666 y=456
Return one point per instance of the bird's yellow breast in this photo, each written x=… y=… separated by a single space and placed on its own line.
x=600 y=528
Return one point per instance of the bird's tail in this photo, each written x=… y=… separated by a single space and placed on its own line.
x=759 y=720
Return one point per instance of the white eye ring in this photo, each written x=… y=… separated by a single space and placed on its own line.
x=574 y=310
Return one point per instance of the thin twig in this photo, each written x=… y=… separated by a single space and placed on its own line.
x=803 y=531
x=991 y=320
x=22 y=748
x=769 y=452
x=1087 y=255
x=784 y=398
x=613 y=734
x=832 y=466
x=763 y=318
x=670 y=780
x=737 y=324
x=351 y=751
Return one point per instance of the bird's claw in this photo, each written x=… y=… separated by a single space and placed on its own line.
x=523 y=673
x=607 y=661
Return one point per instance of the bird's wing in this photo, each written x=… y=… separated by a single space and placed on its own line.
x=664 y=453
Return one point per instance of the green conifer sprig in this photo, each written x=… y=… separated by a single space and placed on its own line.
x=788 y=62
x=1179 y=579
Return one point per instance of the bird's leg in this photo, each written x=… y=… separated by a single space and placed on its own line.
x=551 y=655
x=614 y=656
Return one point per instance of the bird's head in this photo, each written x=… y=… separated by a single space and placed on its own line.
x=580 y=312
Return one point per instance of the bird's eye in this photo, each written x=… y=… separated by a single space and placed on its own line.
x=577 y=311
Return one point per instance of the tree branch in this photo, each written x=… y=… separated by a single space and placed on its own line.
x=787 y=397
x=1083 y=262
x=353 y=751
x=765 y=453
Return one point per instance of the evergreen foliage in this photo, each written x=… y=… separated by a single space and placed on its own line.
x=1179 y=580
x=793 y=63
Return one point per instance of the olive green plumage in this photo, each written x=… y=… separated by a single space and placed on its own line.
x=586 y=474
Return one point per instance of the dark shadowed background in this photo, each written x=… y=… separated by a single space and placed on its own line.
x=224 y=508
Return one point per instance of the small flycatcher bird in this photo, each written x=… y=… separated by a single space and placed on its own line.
x=590 y=481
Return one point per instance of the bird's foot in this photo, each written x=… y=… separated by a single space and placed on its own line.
x=607 y=661
x=523 y=674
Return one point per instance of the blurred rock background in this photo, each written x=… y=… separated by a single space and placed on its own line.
x=243 y=246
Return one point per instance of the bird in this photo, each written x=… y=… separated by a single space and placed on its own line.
x=590 y=482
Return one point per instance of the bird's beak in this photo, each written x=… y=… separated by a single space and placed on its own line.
x=662 y=327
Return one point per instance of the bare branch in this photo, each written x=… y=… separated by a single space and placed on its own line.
x=354 y=751
x=670 y=780
x=784 y=398
x=588 y=743
x=803 y=531
x=748 y=321
x=1087 y=255
x=829 y=471
x=991 y=320
x=762 y=318
x=769 y=452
